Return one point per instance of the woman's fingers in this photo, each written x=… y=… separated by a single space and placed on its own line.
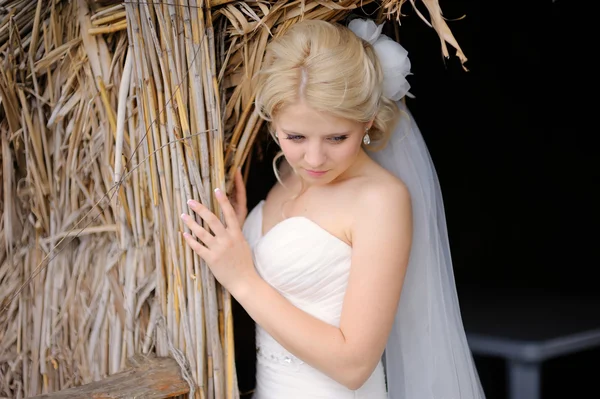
x=198 y=230
x=210 y=218
x=228 y=211
x=200 y=249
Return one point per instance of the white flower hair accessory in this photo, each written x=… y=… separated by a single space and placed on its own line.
x=392 y=57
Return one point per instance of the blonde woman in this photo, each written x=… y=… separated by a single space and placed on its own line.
x=345 y=266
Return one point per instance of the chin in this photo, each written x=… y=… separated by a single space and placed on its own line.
x=321 y=180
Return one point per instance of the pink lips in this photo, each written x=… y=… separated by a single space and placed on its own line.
x=315 y=173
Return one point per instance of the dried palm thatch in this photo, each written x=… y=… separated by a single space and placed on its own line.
x=112 y=115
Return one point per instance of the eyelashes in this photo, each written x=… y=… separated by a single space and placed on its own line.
x=334 y=140
x=338 y=139
x=293 y=137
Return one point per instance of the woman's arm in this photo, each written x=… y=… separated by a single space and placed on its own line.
x=381 y=238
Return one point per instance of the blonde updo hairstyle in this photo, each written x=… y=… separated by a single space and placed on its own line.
x=332 y=70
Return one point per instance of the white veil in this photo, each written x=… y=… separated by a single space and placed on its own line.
x=427 y=355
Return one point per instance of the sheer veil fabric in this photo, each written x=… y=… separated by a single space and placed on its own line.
x=427 y=355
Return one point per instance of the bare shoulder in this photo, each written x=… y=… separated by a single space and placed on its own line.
x=381 y=190
x=383 y=204
x=385 y=190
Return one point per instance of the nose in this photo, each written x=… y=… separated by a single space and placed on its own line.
x=315 y=155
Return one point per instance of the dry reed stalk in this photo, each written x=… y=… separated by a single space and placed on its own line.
x=436 y=21
x=111 y=117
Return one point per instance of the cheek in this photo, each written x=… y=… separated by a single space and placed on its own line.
x=290 y=150
x=346 y=153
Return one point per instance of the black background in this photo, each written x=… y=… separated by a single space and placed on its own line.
x=512 y=140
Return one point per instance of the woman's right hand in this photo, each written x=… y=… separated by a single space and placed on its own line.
x=239 y=197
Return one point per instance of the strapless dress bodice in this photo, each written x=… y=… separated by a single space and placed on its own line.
x=308 y=266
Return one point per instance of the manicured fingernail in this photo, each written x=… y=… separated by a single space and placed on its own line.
x=218 y=192
x=183 y=216
x=192 y=203
x=186 y=235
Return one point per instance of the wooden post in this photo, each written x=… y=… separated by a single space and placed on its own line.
x=148 y=377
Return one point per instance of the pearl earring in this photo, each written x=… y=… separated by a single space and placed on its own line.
x=367 y=138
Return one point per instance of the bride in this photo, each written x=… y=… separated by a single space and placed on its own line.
x=345 y=266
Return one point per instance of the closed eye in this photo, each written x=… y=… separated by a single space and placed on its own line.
x=294 y=137
x=333 y=140
x=337 y=139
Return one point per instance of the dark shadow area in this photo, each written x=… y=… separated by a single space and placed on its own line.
x=260 y=180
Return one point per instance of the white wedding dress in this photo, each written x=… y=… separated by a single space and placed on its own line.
x=310 y=267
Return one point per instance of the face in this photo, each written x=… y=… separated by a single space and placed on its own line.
x=319 y=146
